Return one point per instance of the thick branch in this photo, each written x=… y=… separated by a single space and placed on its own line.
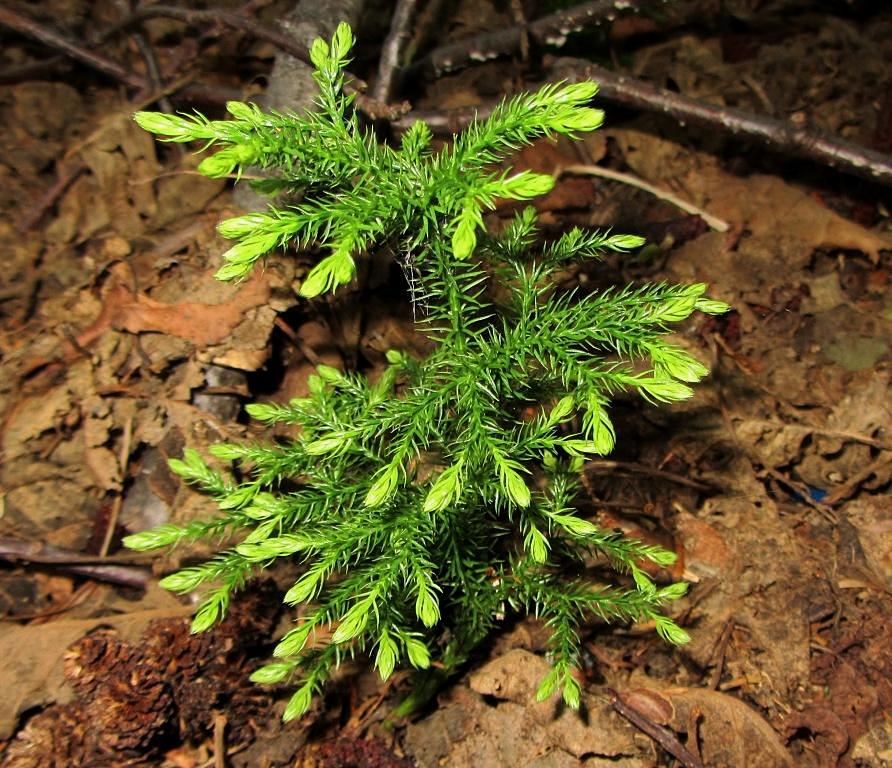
x=547 y=30
x=388 y=67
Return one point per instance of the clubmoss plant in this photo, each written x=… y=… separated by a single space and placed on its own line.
x=422 y=506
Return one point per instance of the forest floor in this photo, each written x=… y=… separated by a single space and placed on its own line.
x=774 y=483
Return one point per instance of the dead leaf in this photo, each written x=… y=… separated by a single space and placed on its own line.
x=767 y=205
x=467 y=732
x=33 y=416
x=872 y=519
x=516 y=676
x=202 y=324
x=730 y=733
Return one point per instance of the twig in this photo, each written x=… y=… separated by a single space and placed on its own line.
x=427 y=17
x=640 y=469
x=14 y=550
x=123 y=461
x=547 y=30
x=219 y=740
x=67 y=176
x=801 y=490
x=849 y=488
x=375 y=108
x=256 y=29
x=663 y=736
x=718 y=654
x=520 y=20
x=389 y=66
x=778 y=135
x=33 y=70
x=444 y=122
x=30 y=28
x=152 y=70
x=839 y=434
x=713 y=222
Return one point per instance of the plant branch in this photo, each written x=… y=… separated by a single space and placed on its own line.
x=777 y=135
x=226 y=18
x=719 y=225
x=13 y=550
x=30 y=28
x=547 y=30
x=664 y=737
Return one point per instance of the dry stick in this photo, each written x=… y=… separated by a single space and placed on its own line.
x=375 y=108
x=851 y=487
x=718 y=654
x=430 y=12
x=233 y=20
x=67 y=176
x=44 y=554
x=388 y=67
x=641 y=469
x=663 y=736
x=220 y=740
x=854 y=437
x=30 y=28
x=33 y=70
x=778 y=135
x=123 y=462
x=719 y=225
x=153 y=71
x=547 y=30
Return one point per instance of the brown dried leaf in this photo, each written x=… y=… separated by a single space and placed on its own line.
x=33 y=416
x=730 y=733
x=202 y=324
x=516 y=676
x=103 y=465
x=767 y=205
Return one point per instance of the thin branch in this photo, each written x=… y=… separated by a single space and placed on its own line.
x=152 y=70
x=719 y=225
x=14 y=550
x=547 y=30
x=631 y=467
x=194 y=16
x=68 y=174
x=30 y=28
x=373 y=107
x=778 y=135
x=389 y=66
x=663 y=736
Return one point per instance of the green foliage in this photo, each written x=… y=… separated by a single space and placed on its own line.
x=422 y=505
